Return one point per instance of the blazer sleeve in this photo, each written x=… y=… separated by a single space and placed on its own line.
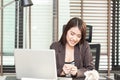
x=52 y=46
x=55 y=46
x=87 y=59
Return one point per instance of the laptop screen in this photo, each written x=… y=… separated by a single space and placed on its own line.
x=35 y=64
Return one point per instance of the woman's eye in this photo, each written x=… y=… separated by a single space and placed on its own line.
x=72 y=33
x=79 y=36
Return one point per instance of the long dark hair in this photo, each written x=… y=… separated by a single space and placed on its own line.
x=72 y=23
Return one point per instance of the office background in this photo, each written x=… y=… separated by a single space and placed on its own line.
x=36 y=27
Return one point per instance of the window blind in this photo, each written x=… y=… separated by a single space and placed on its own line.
x=8 y=32
x=8 y=28
x=115 y=34
x=64 y=15
x=41 y=24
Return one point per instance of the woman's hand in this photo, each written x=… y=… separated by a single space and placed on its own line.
x=67 y=68
x=73 y=70
x=70 y=69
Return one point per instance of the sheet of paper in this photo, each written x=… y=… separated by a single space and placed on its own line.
x=64 y=78
x=2 y=77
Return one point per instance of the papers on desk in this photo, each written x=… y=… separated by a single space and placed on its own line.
x=2 y=77
x=91 y=75
x=64 y=78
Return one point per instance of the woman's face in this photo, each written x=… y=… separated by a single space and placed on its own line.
x=73 y=36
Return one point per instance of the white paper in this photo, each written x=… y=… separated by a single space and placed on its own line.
x=2 y=77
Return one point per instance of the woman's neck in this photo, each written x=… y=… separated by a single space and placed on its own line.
x=69 y=53
x=69 y=47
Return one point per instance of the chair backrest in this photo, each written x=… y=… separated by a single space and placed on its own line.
x=88 y=32
x=95 y=50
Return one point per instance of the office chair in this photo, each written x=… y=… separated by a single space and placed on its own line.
x=95 y=47
x=95 y=50
x=89 y=33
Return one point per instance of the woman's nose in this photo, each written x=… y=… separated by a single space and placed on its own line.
x=74 y=38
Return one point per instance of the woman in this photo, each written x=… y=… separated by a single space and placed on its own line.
x=73 y=54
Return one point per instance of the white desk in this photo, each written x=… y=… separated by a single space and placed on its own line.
x=14 y=78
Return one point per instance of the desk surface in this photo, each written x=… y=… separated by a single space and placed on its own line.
x=14 y=78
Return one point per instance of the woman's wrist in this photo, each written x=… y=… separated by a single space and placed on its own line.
x=63 y=73
x=74 y=75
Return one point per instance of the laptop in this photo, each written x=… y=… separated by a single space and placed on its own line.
x=37 y=64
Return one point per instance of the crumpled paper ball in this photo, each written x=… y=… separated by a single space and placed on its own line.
x=91 y=75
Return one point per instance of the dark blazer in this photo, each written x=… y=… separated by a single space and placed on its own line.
x=82 y=57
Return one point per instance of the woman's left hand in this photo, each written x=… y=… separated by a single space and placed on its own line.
x=73 y=70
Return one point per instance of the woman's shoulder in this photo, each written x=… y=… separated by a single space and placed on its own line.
x=55 y=45
x=85 y=43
